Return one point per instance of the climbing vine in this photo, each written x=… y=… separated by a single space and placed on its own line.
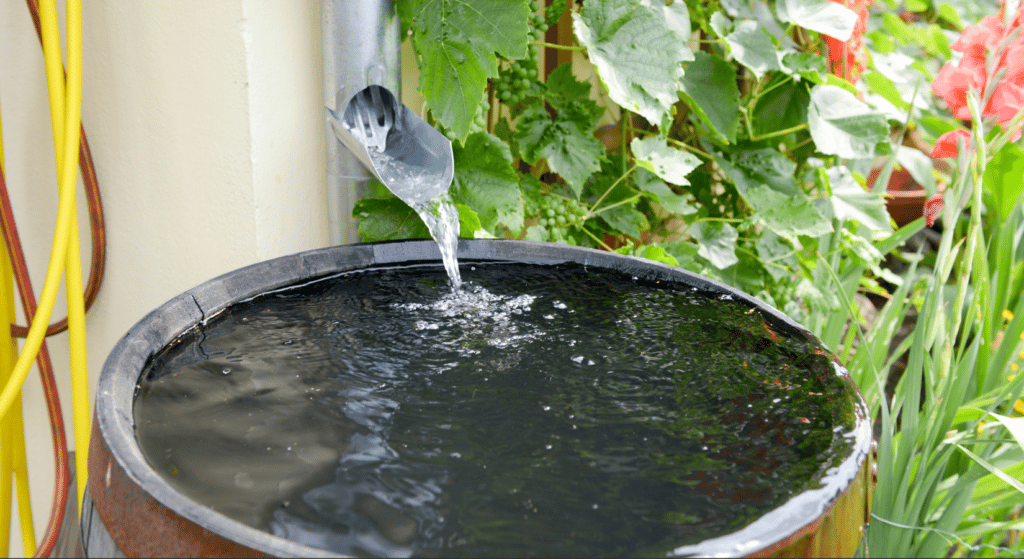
x=733 y=149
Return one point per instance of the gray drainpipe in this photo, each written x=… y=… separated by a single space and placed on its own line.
x=361 y=47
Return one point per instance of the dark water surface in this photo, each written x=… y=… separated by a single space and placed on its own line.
x=542 y=411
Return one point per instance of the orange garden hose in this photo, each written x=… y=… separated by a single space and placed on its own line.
x=28 y=300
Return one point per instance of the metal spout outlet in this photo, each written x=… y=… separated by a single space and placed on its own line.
x=405 y=153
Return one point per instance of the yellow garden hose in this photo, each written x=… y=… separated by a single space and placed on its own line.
x=65 y=106
x=66 y=102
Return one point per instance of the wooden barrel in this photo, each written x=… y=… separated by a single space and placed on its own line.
x=135 y=512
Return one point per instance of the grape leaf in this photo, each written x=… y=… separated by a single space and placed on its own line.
x=752 y=47
x=627 y=219
x=385 y=219
x=717 y=242
x=669 y=163
x=806 y=65
x=572 y=153
x=486 y=182
x=823 y=16
x=769 y=166
x=662 y=194
x=788 y=216
x=843 y=125
x=782 y=107
x=571 y=99
x=456 y=42
x=712 y=94
x=638 y=47
x=776 y=256
x=658 y=254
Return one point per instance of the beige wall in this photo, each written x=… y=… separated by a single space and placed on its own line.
x=206 y=124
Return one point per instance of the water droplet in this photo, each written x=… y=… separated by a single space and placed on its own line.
x=594 y=506
x=547 y=447
x=547 y=408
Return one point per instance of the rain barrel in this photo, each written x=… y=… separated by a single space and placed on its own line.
x=136 y=511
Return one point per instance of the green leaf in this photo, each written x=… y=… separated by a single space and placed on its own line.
x=627 y=219
x=572 y=154
x=662 y=194
x=897 y=28
x=658 y=254
x=816 y=298
x=469 y=224
x=752 y=47
x=669 y=163
x=916 y=6
x=638 y=48
x=782 y=107
x=769 y=166
x=711 y=92
x=1004 y=178
x=805 y=65
x=1008 y=479
x=950 y=15
x=851 y=201
x=883 y=86
x=685 y=254
x=571 y=99
x=486 y=182
x=789 y=216
x=843 y=125
x=385 y=219
x=717 y=241
x=936 y=41
x=822 y=16
x=776 y=255
x=456 y=42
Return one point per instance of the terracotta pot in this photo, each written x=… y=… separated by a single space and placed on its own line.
x=904 y=196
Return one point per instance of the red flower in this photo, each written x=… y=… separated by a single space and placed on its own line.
x=1007 y=99
x=849 y=59
x=977 y=39
x=952 y=82
x=948 y=144
x=932 y=207
x=976 y=42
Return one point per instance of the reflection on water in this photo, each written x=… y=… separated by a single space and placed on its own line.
x=538 y=411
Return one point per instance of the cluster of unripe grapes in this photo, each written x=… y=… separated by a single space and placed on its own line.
x=513 y=84
x=555 y=211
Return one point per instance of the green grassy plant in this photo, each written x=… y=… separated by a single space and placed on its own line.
x=951 y=451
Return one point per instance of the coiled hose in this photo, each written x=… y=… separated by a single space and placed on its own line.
x=71 y=150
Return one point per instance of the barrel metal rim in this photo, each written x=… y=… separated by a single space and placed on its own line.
x=128 y=358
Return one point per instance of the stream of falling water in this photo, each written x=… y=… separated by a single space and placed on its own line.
x=442 y=220
x=413 y=184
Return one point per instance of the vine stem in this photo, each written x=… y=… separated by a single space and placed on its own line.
x=557 y=46
x=610 y=206
x=590 y=212
x=797 y=128
x=599 y=241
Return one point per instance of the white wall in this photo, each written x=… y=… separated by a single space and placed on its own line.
x=206 y=124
